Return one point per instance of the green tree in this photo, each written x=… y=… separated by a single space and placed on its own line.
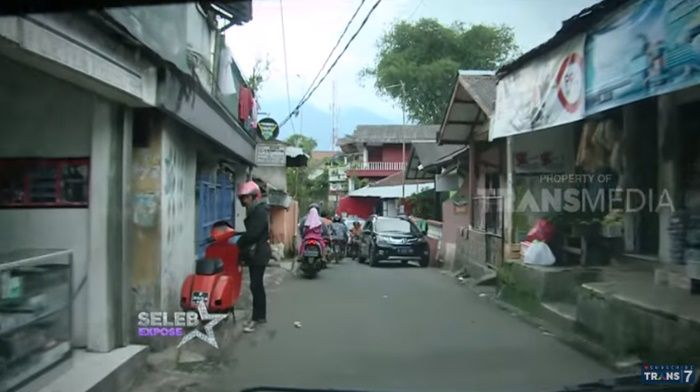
x=426 y=55
x=306 y=143
x=306 y=184
x=260 y=74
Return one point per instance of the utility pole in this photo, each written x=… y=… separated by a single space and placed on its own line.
x=403 y=143
x=334 y=136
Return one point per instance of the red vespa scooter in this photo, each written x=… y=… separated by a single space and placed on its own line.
x=217 y=278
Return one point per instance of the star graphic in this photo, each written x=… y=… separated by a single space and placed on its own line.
x=213 y=319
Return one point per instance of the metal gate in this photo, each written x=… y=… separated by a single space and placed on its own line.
x=214 y=203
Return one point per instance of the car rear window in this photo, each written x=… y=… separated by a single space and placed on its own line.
x=396 y=225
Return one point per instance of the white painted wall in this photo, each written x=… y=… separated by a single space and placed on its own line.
x=178 y=252
x=45 y=117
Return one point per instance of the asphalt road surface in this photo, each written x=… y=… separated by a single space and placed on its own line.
x=395 y=328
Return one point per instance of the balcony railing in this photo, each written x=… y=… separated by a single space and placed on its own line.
x=379 y=166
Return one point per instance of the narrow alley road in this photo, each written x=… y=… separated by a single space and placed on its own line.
x=395 y=328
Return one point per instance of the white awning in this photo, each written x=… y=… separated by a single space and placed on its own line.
x=391 y=192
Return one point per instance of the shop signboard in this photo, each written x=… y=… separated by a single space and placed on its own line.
x=270 y=154
x=268 y=129
x=648 y=48
x=547 y=92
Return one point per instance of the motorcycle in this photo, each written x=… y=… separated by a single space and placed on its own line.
x=218 y=276
x=337 y=249
x=311 y=258
x=354 y=250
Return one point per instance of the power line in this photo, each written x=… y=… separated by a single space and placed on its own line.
x=284 y=53
x=420 y=3
x=337 y=43
x=352 y=38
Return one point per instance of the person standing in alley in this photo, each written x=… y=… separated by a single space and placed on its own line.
x=255 y=248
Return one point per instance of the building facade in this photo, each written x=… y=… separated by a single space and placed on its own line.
x=130 y=127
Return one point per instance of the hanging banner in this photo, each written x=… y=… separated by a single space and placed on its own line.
x=649 y=48
x=546 y=92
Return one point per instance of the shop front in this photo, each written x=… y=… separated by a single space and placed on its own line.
x=479 y=242
x=600 y=125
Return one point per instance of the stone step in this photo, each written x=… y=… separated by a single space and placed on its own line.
x=561 y=314
x=672 y=276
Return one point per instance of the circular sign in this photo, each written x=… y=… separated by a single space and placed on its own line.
x=570 y=82
x=268 y=129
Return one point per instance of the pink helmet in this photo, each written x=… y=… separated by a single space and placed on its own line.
x=249 y=188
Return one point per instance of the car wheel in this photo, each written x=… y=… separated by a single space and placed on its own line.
x=424 y=262
x=373 y=261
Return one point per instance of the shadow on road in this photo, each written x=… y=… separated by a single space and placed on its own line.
x=389 y=264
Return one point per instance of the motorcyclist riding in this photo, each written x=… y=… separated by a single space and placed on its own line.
x=339 y=234
x=311 y=227
x=355 y=235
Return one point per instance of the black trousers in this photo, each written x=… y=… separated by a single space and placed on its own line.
x=257 y=272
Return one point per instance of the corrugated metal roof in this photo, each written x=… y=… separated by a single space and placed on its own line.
x=425 y=158
x=296 y=157
x=390 y=192
x=472 y=104
x=482 y=88
x=576 y=24
x=431 y=153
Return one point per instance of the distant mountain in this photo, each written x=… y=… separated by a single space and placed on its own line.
x=316 y=122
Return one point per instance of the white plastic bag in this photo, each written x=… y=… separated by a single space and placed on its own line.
x=539 y=254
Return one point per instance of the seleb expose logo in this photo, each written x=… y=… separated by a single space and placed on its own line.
x=163 y=324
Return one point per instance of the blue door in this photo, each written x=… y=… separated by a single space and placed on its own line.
x=214 y=203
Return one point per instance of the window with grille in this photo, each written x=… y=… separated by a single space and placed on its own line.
x=44 y=183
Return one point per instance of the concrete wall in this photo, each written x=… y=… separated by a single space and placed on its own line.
x=45 y=117
x=145 y=223
x=164 y=248
x=277 y=176
x=106 y=253
x=453 y=219
x=178 y=207
x=283 y=226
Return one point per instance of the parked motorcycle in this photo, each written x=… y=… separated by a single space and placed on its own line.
x=311 y=258
x=218 y=277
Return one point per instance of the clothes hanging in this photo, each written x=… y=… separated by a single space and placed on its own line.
x=245 y=104
x=227 y=83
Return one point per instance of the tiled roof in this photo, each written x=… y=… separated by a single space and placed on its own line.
x=391 y=133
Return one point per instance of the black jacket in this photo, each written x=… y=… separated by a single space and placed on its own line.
x=257 y=235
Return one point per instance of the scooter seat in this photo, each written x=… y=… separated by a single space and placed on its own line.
x=209 y=266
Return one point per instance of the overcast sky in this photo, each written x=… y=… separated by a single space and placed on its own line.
x=313 y=26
